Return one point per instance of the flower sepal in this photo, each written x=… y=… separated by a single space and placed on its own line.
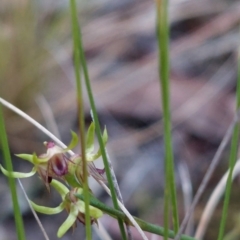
x=73 y=143
x=90 y=155
x=74 y=206
x=17 y=174
x=28 y=157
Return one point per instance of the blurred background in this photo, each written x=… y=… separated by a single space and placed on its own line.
x=36 y=75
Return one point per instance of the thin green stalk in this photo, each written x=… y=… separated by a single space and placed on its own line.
x=76 y=40
x=163 y=46
x=11 y=181
x=148 y=227
x=99 y=135
x=232 y=161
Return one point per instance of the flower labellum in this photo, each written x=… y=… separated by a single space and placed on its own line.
x=57 y=160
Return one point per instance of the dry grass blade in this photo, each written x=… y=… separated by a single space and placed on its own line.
x=33 y=212
x=34 y=122
x=118 y=192
x=213 y=201
x=101 y=231
x=187 y=193
x=47 y=115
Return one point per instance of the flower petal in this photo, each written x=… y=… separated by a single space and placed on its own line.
x=90 y=138
x=73 y=142
x=28 y=157
x=59 y=164
x=17 y=174
x=48 y=210
x=68 y=222
x=96 y=172
x=72 y=180
x=73 y=163
x=52 y=151
x=94 y=156
x=105 y=136
x=94 y=212
x=62 y=189
x=41 y=159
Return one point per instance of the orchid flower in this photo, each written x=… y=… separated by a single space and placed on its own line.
x=55 y=163
x=74 y=207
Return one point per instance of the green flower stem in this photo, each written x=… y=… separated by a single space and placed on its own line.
x=163 y=46
x=99 y=134
x=232 y=160
x=76 y=40
x=148 y=227
x=11 y=181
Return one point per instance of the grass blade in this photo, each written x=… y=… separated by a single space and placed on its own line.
x=163 y=46
x=76 y=40
x=232 y=160
x=99 y=134
x=11 y=181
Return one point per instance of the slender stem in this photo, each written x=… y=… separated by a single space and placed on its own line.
x=99 y=135
x=148 y=227
x=163 y=46
x=11 y=181
x=76 y=40
x=232 y=161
